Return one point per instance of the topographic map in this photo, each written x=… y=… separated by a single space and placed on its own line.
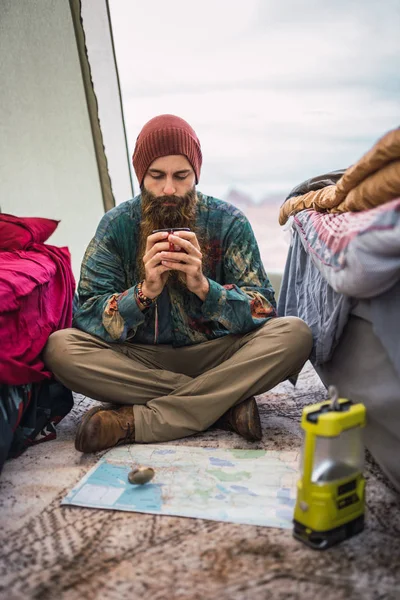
x=254 y=487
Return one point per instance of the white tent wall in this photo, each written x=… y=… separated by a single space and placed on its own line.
x=104 y=74
x=49 y=155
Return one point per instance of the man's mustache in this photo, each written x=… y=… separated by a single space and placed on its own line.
x=165 y=200
x=169 y=210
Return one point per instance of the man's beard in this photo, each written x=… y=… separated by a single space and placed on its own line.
x=162 y=212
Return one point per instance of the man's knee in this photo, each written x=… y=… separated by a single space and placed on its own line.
x=299 y=336
x=292 y=333
x=299 y=328
x=57 y=348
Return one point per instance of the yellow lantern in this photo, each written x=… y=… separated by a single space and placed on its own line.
x=330 y=500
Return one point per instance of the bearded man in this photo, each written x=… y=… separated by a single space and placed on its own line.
x=177 y=329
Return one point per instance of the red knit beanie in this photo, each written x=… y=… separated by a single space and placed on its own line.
x=162 y=136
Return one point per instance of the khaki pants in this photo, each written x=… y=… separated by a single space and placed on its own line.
x=179 y=391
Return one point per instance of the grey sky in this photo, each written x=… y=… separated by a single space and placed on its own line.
x=277 y=91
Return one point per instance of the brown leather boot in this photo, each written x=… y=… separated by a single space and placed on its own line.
x=243 y=419
x=103 y=427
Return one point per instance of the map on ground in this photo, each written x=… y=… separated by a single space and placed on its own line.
x=254 y=487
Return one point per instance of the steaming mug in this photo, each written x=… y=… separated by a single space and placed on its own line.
x=171 y=230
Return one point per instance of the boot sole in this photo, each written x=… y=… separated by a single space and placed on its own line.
x=256 y=430
x=86 y=417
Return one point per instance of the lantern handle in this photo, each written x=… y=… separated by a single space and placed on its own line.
x=334 y=397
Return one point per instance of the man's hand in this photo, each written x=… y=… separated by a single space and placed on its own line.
x=156 y=273
x=188 y=259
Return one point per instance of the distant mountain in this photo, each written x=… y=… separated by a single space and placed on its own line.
x=272 y=199
x=239 y=199
x=243 y=201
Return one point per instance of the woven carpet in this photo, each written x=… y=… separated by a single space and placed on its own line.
x=51 y=552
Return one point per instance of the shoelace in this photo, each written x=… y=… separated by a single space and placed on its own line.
x=129 y=432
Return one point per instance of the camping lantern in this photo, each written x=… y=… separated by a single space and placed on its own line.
x=330 y=494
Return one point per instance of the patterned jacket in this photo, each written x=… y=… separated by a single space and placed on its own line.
x=239 y=300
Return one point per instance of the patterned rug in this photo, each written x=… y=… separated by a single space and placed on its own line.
x=48 y=551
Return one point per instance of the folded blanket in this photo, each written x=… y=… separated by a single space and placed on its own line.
x=358 y=253
x=36 y=295
x=372 y=181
